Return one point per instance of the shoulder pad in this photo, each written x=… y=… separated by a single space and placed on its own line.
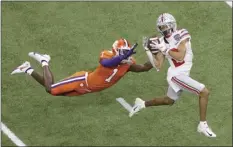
x=184 y=34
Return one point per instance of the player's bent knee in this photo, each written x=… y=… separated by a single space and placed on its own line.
x=205 y=92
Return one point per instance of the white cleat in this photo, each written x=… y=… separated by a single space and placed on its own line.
x=22 y=68
x=39 y=57
x=139 y=104
x=205 y=130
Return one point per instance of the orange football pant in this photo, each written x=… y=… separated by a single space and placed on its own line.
x=71 y=86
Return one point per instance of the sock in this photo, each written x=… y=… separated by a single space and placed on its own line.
x=203 y=123
x=29 y=70
x=44 y=63
x=144 y=105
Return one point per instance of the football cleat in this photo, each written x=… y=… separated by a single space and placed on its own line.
x=139 y=104
x=205 y=130
x=39 y=57
x=22 y=68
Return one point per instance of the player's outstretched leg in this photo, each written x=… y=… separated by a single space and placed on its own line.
x=47 y=74
x=27 y=68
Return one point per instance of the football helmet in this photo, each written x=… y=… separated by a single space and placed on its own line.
x=166 y=24
x=121 y=47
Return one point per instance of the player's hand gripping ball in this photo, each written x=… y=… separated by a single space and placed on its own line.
x=157 y=44
x=151 y=44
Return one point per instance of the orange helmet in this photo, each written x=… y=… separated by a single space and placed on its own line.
x=120 y=46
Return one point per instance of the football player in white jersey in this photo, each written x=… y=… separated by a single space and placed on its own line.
x=175 y=45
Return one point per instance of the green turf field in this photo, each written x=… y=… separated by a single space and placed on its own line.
x=5 y=141
x=74 y=33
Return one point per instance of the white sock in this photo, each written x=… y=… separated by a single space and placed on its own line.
x=203 y=123
x=44 y=63
x=29 y=71
x=144 y=105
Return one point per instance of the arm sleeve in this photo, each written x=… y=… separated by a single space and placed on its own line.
x=112 y=62
x=108 y=60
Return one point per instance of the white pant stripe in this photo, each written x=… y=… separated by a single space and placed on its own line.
x=67 y=81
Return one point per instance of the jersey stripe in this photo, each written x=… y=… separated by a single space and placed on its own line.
x=185 y=86
x=184 y=33
x=183 y=30
x=182 y=36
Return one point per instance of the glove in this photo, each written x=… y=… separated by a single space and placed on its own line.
x=145 y=41
x=130 y=52
x=156 y=45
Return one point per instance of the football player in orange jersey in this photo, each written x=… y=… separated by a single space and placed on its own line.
x=113 y=65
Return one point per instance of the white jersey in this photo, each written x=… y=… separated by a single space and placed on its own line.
x=178 y=67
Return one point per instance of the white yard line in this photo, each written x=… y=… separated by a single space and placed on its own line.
x=229 y=3
x=11 y=135
x=126 y=105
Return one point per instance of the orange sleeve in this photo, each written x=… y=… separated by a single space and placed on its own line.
x=105 y=55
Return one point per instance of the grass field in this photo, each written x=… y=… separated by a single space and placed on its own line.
x=74 y=33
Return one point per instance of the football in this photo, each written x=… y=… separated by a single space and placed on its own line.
x=149 y=41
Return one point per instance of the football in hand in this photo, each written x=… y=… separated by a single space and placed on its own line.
x=154 y=39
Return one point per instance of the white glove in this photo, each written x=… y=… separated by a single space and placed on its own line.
x=145 y=43
x=160 y=46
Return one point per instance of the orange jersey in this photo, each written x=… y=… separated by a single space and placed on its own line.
x=104 y=77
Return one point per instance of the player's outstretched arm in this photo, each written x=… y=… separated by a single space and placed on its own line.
x=159 y=57
x=112 y=62
x=141 y=67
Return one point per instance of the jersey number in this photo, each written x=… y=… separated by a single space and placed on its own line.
x=112 y=75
